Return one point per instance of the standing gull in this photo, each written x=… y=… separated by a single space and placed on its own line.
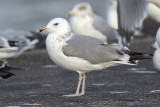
x=83 y=53
x=85 y=22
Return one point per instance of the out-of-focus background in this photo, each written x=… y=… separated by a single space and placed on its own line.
x=32 y=14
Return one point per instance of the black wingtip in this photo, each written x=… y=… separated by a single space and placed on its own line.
x=139 y=56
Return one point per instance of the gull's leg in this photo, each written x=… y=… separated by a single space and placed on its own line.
x=83 y=84
x=79 y=83
x=78 y=87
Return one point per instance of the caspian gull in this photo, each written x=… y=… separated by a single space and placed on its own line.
x=84 y=53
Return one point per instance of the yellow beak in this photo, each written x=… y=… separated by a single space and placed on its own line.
x=41 y=29
x=70 y=13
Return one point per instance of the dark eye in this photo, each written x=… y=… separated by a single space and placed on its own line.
x=82 y=8
x=56 y=24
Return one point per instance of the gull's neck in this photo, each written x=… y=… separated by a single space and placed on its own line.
x=59 y=37
x=64 y=36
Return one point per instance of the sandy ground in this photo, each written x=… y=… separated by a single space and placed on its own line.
x=42 y=83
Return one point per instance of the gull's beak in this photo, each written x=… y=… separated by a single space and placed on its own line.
x=70 y=13
x=42 y=29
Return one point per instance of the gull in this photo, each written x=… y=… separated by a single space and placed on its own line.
x=84 y=54
x=85 y=22
x=156 y=57
x=4 y=70
x=27 y=38
x=7 y=45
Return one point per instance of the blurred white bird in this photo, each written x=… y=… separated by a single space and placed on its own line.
x=158 y=37
x=156 y=57
x=111 y=13
x=21 y=36
x=85 y=22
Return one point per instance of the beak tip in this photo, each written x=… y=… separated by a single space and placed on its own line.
x=41 y=29
x=38 y=30
x=70 y=13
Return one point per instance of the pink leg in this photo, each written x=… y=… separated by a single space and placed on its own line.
x=83 y=85
x=78 y=87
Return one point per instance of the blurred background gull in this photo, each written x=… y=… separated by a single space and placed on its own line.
x=27 y=41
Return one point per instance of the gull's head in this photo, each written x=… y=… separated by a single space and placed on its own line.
x=57 y=26
x=81 y=9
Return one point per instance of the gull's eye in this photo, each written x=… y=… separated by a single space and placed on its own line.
x=82 y=8
x=56 y=24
